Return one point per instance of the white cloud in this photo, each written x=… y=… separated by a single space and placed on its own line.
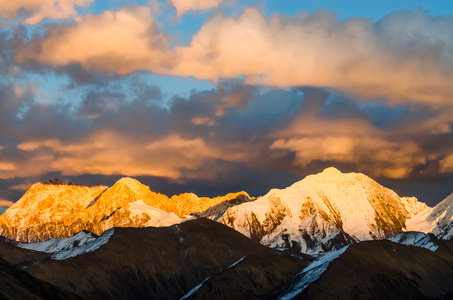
x=40 y=9
x=183 y=6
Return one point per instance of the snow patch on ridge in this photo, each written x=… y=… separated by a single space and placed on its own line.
x=56 y=245
x=89 y=247
x=414 y=238
x=195 y=289
x=62 y=249
x=311 y=273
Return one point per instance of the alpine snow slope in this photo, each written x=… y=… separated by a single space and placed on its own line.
x=328 y=211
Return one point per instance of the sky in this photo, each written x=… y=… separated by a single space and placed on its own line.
x=218 y=96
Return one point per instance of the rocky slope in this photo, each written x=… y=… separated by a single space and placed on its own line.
x=167 y=262
x=17 y=284
x=324 y=212
x=202 y=259
x=48 y=208
x=380 y=270
x=59 y=210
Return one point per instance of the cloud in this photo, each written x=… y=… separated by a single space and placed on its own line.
x=407 y=56
x=7 y=166
x=212 y=134
x=373 y=156
x=23 y=187
x=36 y=10
x=183 y=6
x=122 y=41
x=446 y=164
x=6 y=203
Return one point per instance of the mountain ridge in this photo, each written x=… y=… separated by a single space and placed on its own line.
x=61 y=210
x=322 y=212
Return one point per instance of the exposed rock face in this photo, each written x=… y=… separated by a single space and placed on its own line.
x=60 y=209
x=47 y=211
x=323 y=212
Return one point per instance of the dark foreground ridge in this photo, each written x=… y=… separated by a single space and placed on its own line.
x=166 y=263
x=17 y=284
x=203 y=259
x=386 y=270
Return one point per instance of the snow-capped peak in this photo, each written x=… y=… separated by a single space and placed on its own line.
x=321 y=212
x=331 y=171
x=131 y=183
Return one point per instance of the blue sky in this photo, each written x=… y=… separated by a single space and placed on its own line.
x=214 y=96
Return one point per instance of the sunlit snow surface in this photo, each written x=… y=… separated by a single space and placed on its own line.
x=57 y=245
x=413 y=238
x=311 y=273
x=192 y=291
x=62 y=249
x=437 y=220
x=157 y=216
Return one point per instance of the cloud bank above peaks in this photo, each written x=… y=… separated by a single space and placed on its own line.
x=210 y=132
x=407 y=56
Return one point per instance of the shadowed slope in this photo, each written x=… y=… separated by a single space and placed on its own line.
x=17 y=284
x=384 y=270
x=156 y=263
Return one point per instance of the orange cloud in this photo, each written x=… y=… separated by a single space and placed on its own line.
x=40 y=9
x=7 y=166
x=446 y=164
x=123 y=42
x=313 y=49
x=6 y=203
x=373 y=155
x=183 y=6
x=408 y=57
x=57 y=146
x=109 y=153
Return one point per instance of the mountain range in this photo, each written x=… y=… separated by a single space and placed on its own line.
x=127 y=242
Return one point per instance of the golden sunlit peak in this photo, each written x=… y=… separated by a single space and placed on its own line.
x=331 y=171
x=130 y=182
